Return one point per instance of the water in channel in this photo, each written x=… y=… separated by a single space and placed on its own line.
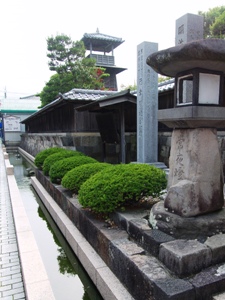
x=68 y=278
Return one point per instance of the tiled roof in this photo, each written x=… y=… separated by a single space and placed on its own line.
x=166 y=85
x=101 y=36
x=126 y=96
x=75 y=95
x=100 y=42
x=162 y=86
x=83 y=94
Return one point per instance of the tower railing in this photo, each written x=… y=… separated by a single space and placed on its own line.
x=103 y=59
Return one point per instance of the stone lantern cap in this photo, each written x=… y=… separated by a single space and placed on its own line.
x=205 y=54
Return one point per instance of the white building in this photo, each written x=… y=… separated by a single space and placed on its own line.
x=12 y=112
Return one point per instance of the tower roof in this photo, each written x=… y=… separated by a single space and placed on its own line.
x=101 y=42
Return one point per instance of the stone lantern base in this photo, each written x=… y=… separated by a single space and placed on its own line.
x=199 y=227
x=195 y=183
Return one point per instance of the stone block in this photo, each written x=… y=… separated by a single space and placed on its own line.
x=152 y=240
x=209 y=282
x=217 y=244
x=173 y=289
x=188 y=28
x=141 y=270
x=185 y=257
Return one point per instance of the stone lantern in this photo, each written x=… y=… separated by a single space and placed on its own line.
x=195 y=181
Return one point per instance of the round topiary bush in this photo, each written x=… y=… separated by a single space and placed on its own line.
x=42 y=155
x=120 y=185
x=77 y=176
x=51 y=159
x=60 y=168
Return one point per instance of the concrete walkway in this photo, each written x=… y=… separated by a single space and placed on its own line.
x=11 y=282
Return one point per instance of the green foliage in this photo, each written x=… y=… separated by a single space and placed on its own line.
x=218 y=27
x=211 y=17
x=76 y=177
x=163 y=78
x=74 y=70
x=42 y=155
x=51 y=159
x=64 y=53
x=60 y=168
x=120 y=185
x=57 y=84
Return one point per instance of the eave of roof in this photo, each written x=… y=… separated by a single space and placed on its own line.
x=101 y=42
x=111 y=69
x=119 y=97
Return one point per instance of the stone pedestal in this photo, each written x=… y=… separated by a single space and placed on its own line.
x=195 y=184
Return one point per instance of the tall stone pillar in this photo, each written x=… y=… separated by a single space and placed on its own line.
x=147 y=106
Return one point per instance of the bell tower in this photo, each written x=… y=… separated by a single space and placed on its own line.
x=101 y=47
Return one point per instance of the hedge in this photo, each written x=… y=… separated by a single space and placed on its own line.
x=61 y=167
x=42 y=155
x=51 y=159
x=77 y=176
x=120 y=185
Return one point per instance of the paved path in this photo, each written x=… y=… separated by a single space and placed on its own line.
x=11 y=282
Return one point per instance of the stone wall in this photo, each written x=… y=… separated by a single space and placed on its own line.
x=88 y=143
x=91 y=144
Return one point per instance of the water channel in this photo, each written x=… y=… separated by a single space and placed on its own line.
x=68 y=278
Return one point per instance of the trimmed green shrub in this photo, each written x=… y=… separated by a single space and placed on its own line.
x=51 y=159
x=121 y=185
x=60 y=168
x=42 y=155
x=77 y=176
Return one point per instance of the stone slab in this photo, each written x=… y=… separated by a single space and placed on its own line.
x=185 y=257
x=193 y=117
x=173 y=289
x=209 y=282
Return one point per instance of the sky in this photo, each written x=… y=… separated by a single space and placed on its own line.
x=25 y=26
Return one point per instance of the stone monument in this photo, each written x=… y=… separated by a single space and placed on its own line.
x=189 y=28
x=195 y=183
x=147 y=107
